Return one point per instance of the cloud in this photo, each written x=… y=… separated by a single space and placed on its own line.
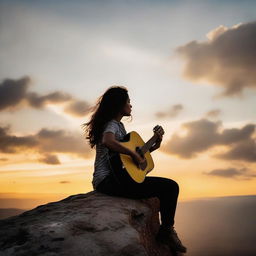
x=77 y=108
x=201 y=135
x=14 y=92
x=11 y=143
x=38 y=101
x=213 y=113
x=204 y=134
x=244 y=150
x=49 y=159
x=62 y=142
x=232 y=173
x=172 y=112
x=226 y=59
x=45 y=142
x=64 y=182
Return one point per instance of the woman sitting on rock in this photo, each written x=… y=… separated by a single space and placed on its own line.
x=105 y=131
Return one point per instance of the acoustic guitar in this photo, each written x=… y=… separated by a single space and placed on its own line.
x=123 y=166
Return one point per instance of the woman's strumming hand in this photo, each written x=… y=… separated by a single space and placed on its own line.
x=137 y=159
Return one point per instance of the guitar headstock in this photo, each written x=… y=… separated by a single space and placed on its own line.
x=158 y=130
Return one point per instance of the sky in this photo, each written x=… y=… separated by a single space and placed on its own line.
x=189 y=66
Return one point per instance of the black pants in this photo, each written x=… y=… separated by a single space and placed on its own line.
x=166 y=190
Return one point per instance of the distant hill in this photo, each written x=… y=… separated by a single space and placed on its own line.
x=28 y=200
x=8 y=212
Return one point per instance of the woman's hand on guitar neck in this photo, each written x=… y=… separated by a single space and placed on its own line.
x=159 y=132
x=137 y=159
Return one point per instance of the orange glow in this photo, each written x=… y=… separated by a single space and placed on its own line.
x=43 y=184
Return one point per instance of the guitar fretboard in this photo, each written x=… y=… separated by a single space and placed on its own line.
x=148 y=144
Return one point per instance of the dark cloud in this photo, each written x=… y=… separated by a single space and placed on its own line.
x=172 y=112
x=201 y=135
x=49 y=159
x=46 y=142
x=77 y=108
x=38 y=101
x=234 y=135
x=244 y=150
x=232 y=173
x=62 y=142
x=13 y=92
x=227 y=59
x=204 y=134
x=13 y=144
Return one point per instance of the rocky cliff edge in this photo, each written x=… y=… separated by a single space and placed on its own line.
x=91 y=224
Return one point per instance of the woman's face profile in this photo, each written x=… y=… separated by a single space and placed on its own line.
x=127 y=108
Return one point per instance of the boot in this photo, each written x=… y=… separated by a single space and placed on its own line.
x=170 y=237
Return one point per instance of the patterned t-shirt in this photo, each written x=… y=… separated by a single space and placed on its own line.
x=101 y=163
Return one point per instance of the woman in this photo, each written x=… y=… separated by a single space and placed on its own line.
x=105 y=130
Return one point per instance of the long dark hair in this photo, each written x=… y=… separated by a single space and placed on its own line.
x=106 y=108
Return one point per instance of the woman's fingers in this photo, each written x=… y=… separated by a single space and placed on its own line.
x=159 y=130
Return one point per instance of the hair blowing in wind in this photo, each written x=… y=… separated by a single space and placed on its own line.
x=106 y=108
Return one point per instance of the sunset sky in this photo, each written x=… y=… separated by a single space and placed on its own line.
x=189 y=66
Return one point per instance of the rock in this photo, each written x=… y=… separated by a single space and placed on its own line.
x=85 y=225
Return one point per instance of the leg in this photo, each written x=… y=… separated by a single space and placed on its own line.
x=166 y=190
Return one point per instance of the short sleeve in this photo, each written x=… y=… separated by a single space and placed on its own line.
x=111 y=127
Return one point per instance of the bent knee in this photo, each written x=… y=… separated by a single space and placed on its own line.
x=174 y=186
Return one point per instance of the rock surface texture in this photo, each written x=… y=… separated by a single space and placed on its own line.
x=91 y=224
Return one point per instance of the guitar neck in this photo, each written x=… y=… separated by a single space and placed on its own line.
x=148 y=144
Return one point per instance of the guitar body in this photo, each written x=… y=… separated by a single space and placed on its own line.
x=123 y=164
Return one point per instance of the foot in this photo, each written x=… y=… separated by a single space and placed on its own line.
x=170 y=237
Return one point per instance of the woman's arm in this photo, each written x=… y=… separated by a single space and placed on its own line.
x=110 y=141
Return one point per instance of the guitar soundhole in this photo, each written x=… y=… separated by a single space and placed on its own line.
x=138 y=150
